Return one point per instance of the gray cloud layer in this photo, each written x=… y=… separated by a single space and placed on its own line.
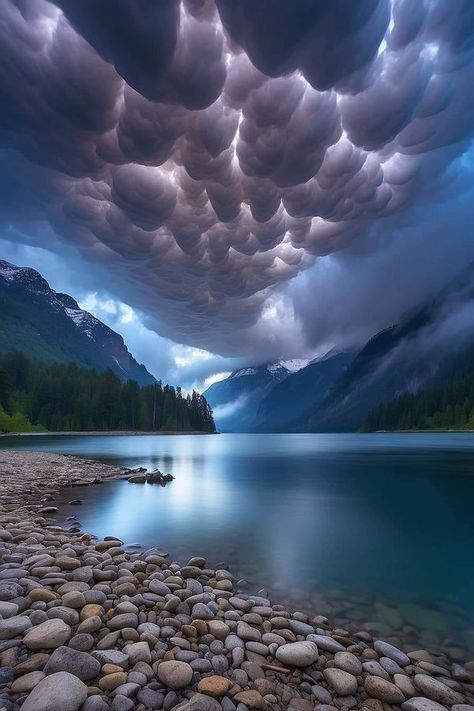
x=201 y=154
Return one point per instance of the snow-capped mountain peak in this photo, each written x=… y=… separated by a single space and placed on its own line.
x=38 y=319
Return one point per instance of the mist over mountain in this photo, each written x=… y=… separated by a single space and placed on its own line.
x=236 y=399
x=431 y=344
x=50 y=326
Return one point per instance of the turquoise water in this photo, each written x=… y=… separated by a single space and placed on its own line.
x=375 y=529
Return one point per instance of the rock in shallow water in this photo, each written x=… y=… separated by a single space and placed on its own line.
x=384 y=649
x=436 y=690
x=58 y=691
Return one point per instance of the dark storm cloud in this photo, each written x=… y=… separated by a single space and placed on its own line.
x=201 y=154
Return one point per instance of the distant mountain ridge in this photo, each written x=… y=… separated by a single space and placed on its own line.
x=236 y=399
x=431 y=344
x=428 y=346
x=51 y=326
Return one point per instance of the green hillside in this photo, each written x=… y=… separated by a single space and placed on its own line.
x=65 y=397
x=449 y=404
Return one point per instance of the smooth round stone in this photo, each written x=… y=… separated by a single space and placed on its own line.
x=10 y=591
x=300 y=627
x=136 y=677
x=321 y=694
x=111 y=656
x=80 y=664
x=95 y=703
x=405 y=684
x=109 y=682
x=348 y=662
x=91 y=610
x=343 y=683
x=214 y=685
x=35 y=662
x=383 y=690
x=74 y=599
x=327 y=643
x=420 y=703
x=251 y=698
x=58 y=691
x=219 y=663
x=122 y=703
x=175 y=675
x=48 y=635
x=82 y=642
x=24 y=684
x=218 y=629
x=14 y=626
x=126 y=619
x=8 y=609
x=201 y=665
x=159 y=588
x=390 y=666
x=384 y=649
x=66 y=614
x=436 y=690
x=202 y=702
x=138 y=652
x=297 y=654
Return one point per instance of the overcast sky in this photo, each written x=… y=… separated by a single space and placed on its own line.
x=227 y=183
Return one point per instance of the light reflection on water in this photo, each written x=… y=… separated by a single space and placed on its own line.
x=376 y=528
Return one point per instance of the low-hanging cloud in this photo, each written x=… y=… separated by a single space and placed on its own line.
x=200 y=154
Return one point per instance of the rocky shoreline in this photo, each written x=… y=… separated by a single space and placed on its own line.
x=87 y=625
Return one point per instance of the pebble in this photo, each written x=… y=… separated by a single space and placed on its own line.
x=297 y=654
x=384 y=649
x=81 y=664
x=175 y=675
x=327 y=643
x=14 y=626
x=436 y=690
x=47 y=635
x=214 y=685
x=384 y=690
x=343 y=683
x=58 y=691
x=348 y=662
x=420 y=703
x=144 y=632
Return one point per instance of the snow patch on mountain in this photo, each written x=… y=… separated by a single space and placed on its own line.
x=243 y=371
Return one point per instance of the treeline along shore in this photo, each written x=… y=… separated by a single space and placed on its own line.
x=37 y=396
x=91 y=625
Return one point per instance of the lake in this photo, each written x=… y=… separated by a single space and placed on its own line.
x=371 y=529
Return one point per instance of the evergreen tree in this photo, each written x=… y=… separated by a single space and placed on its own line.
x=64 y=397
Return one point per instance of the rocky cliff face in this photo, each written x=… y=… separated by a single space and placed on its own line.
x=49 y=325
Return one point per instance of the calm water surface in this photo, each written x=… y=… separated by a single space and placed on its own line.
x=377 y=529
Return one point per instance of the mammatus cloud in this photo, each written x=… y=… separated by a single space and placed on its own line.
x=200 y=154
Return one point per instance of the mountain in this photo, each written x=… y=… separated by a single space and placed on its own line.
x=50 y=326
x=299 y=391
x=427 y=347
x=235 y=400
x=446 y=405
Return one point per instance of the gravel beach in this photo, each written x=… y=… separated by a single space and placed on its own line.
x=91 y=625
